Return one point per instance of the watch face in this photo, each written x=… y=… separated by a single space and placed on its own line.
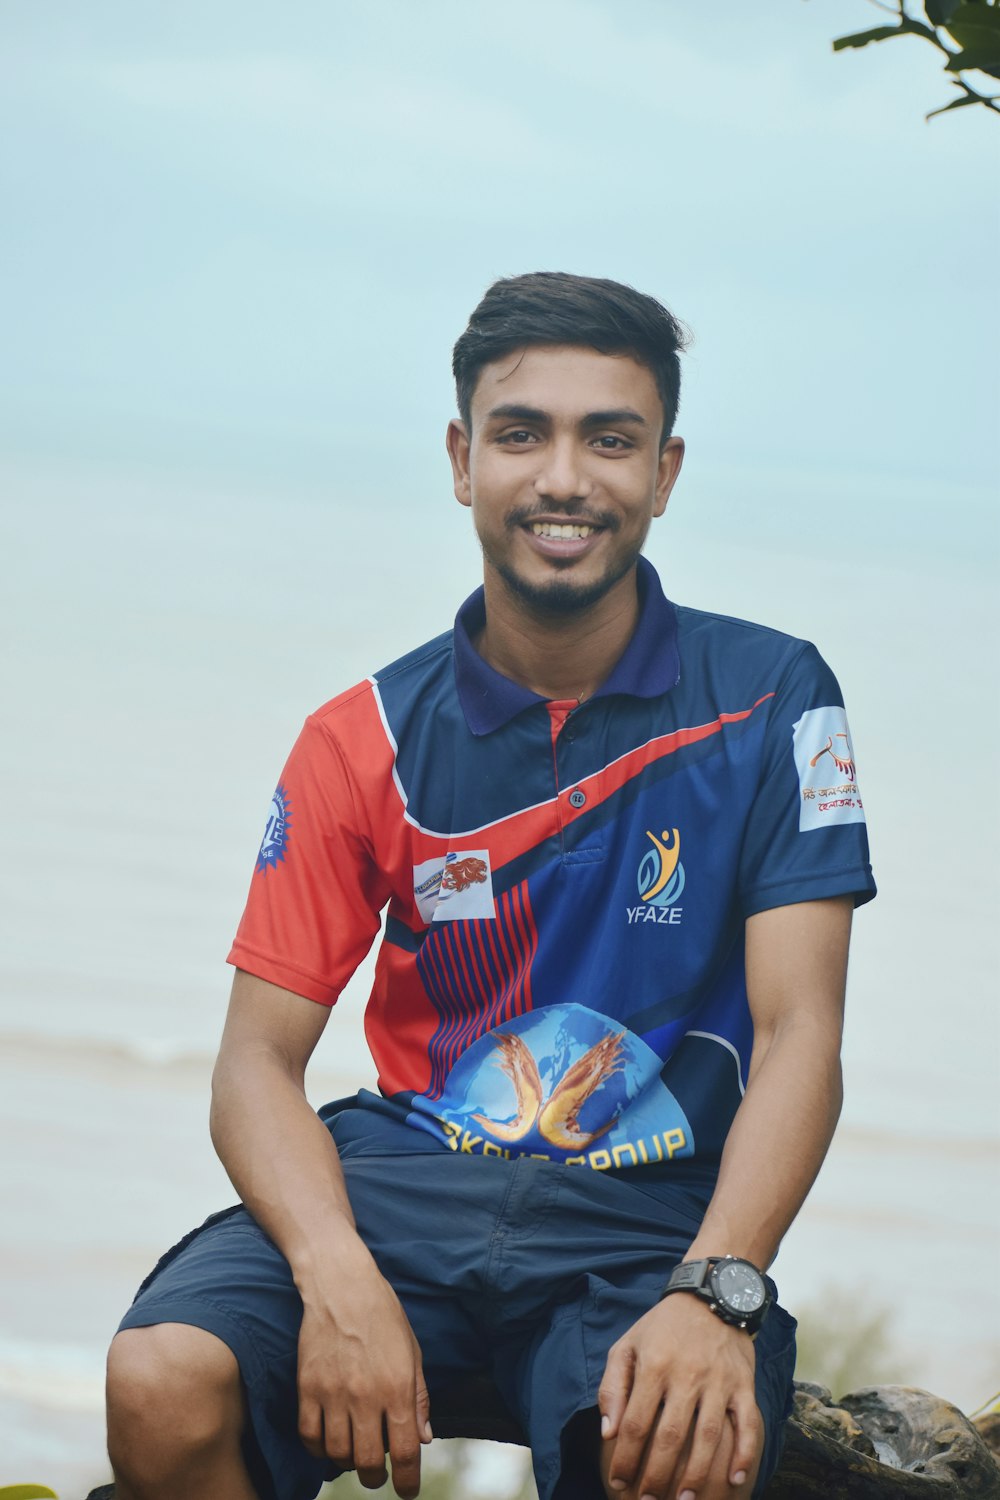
x=738 y=1286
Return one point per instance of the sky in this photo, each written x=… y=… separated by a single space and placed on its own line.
x=238 y=243
x=238 y=237
x=238 y=246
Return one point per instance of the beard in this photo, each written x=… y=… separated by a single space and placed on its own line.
x=562 y=595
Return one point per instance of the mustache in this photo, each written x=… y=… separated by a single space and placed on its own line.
x=572 y=513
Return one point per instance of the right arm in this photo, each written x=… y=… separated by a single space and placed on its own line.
x=359 y=1364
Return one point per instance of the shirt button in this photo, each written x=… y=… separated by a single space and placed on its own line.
x=577 y=798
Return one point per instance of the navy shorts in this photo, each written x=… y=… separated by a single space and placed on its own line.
x=525 y=1269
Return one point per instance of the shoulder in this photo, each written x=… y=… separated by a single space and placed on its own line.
x=409 y=677
x=710 y=630
x=724 y=644
x=419 y=665
x=726 y=661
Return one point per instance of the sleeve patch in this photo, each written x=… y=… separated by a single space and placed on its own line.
x=824 y=760
x=275 y=841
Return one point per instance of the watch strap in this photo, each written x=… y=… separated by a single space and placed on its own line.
x=689 y=1276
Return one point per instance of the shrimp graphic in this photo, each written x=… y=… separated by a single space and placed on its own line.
x=845 y=767
x=559 y=1121
x=518 y=1062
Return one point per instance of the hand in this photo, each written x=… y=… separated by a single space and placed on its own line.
x=678 y=1414
x=361 y=1383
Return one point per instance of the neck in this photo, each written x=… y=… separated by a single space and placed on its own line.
x=558 y=656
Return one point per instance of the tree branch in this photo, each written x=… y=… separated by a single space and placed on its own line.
x=990 y=100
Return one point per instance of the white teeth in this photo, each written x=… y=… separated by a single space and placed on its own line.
x=561 y=533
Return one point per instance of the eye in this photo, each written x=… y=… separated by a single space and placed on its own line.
x=609 y=442
x=517 y=437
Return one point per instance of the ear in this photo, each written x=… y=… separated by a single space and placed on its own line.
x=667 y=471
x=457 y=443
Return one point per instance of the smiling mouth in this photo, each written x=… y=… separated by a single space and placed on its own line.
x=567 y=531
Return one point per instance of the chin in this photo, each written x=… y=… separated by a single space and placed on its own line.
x=562 y=595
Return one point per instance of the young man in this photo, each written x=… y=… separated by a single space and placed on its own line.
x=619 y=843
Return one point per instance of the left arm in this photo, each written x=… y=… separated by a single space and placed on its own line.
x=680 y=1374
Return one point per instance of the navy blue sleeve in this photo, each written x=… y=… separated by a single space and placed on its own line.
x=806 y=836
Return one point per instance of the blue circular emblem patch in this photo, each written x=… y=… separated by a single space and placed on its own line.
x=275 y=840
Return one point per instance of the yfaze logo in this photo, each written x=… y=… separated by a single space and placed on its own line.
x=660 y=881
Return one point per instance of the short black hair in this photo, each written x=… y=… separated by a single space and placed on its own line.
x=555 y=307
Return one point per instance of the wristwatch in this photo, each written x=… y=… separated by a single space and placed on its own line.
x=733 y=1288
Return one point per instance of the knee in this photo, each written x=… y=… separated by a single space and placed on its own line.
x=173 y=1392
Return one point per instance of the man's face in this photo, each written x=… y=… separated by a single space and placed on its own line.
x=563 y=471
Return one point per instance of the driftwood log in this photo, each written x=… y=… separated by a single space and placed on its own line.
x=888 y=1442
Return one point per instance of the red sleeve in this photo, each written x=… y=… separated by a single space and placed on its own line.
x=315 y=896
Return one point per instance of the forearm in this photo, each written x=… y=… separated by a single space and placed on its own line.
x=283 y=1163
x=776 y=1144
x=360 y=1378
x=796 y=973
x=680 y=1372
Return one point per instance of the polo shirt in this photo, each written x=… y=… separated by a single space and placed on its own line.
x=565 y=884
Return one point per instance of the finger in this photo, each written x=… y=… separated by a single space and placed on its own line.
x=711 y=1430
x=311 y=1426
x=423 y=1407
x=635 y=1430
x=749 y=1443
x=403 y=1438
x=368 y=1446
x=337 y=1438
x=667 y=1438
x=616 y=1386
x=715 y=1484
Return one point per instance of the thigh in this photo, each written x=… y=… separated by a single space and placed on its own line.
x=229 y=1278
x=623 y=1241
x=554 y=1378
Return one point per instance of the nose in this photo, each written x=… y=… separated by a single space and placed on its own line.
x=562 y=474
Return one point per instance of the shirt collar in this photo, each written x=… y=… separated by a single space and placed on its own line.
x=649 y=665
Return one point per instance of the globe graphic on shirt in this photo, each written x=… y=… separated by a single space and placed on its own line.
x=563 y=1082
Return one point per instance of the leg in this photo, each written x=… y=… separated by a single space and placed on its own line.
x=175 y=1415
x=205 y=1366
x=229 y=1280
x=627 y=1239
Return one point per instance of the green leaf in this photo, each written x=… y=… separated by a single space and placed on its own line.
x=955 y=104
x=27 y=1492
x=975 y=26
x=862 y=38
x=940 y=12
x=986 y=59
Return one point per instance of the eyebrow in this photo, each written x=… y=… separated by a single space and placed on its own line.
x=616 y=417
